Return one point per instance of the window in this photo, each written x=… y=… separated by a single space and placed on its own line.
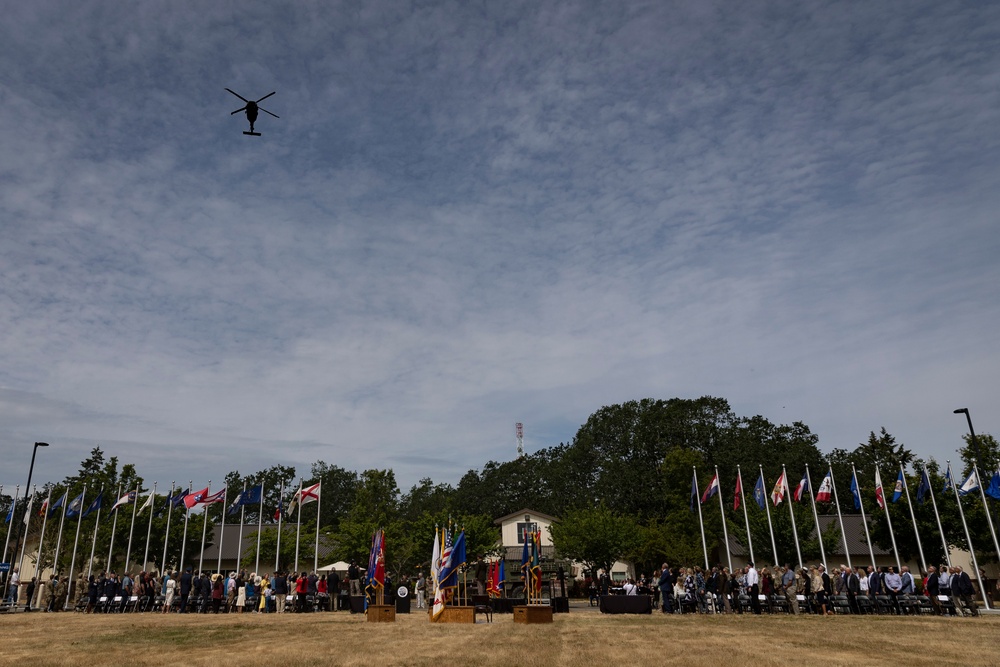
x=530 y=526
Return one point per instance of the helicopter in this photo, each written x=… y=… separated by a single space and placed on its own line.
x=251 y=108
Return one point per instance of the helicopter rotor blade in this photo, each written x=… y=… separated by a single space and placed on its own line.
x=267 y=96
x=266 y=111
x=240 y=96
x=237 y=111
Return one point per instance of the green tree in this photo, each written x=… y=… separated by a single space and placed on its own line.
x=596 y=537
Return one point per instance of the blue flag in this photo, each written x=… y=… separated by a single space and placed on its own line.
x=947 y=481
x=993 y=490
x=759 y=493
x=898 y=491
x=855 y=492
x=10 y=513
x=74 y=507
x=57 y=505
x=924 y=487
x=251 y=496
x=94 y=506
x=448 y=576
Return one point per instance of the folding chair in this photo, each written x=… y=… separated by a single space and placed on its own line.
x=841 y=605
x=865 y=604
x=780 y=604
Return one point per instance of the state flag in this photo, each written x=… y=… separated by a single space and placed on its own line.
x=825 y=493
x=712 y=489
x=801 y=489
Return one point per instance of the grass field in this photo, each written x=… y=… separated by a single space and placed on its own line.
x=581 y=638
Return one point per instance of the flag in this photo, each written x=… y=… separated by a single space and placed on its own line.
x=309 y=494
x=801 y=488
x=251 y=496
x=924 y=486
x=94 y=505
x=993 y=490
x=217 y=497
x=969 y=485
x=280 y=512
x=10 y=513
x=492 y=578
x=44 y=506
x=825 y=493
x=452 y=562
x=57 y=504
x=447 y=569
x=148 y=504
x=435 y=557
x=898 y=491
x=501 y=575
x=694 y=500
x=779 y=490
x=74 y=507
x=712 y=489
x=948 y=484
x=124 y=500
x=738 y=492
x=759 y=494
x=192 y=499
x=536 y=558
x=376 y=561
x=525 y=558
x=879 y=491
x=855 y=491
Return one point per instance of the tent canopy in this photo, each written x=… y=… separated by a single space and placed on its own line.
x=339 y=566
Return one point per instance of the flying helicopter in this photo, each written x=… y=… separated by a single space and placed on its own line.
x=251 y=108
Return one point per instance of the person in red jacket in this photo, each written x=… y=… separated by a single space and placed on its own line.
x=301 y=590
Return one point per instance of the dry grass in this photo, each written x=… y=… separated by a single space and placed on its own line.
x=581 y=638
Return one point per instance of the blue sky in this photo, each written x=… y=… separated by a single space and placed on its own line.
x=472 y=215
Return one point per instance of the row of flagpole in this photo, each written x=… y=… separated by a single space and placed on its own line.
x=74 y=509
x=828 y=492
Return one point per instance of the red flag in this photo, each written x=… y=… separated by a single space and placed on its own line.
x=195 y=498
x=738 y=494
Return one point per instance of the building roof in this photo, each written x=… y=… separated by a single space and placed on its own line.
x=521 y=513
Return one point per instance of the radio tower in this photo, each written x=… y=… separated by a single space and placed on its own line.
x=519 y=431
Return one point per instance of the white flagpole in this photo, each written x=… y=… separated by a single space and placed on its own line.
x=298 y=526
x=222 y=530
x=131 y=530
x=767 y=508
x=93 y=541
x=62 y=519
x=149 y=528
x=76 y=542
x=114 y=526
x=170 y=510
x=791 y=513
x=989 y=519
x=840 y=517
x=239 y=542
x=204 y=528
x=319 y=501
x=864 y=519
x=746 y=517
x=913 y=517
x=27 y=523
x=725 y=530
x=701 y=522
x=260 y=523
x=944 y=540
x=972 y=551
x=185 y=538
x=885 y=506
x=10 y=524
x=819 y=533
x=41 y=539
x=281 y=514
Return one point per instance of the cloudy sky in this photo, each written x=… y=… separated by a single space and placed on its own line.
x=473 y=214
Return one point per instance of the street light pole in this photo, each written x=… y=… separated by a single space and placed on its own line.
x=31 y=469
x=982 y=492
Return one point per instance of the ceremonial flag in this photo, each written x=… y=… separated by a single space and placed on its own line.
x=435 y=557
x=305 y=495
x=536 y=553
x=738 y=493
x=993 y=490
x=492 y=578
x=74 y=507
x=759 y=494
x=947 y=481
x=969 y=485
x=249 y=497
x=148 y=504
x=801 y=488
x=10 y=513
x=923 y=487
x=898 y=491
x=501 y=575
x=376 y=561
x=879 y=491
x=525 y=557
x=712 y=489
x=780 y=487
x=44 y=506
x=280 y=512
x=57 y=504
x=127 y=499
x=94 y=506
x=855 y=491
x=825 y=493
x=454 y=559
x=217 y=497
x=192 y=499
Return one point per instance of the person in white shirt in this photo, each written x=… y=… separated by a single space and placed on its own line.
x=630 y=587
x=753 y=583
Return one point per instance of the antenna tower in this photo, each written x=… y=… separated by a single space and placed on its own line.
x=519 y=431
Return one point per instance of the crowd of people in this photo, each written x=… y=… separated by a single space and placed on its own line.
x=883 y=590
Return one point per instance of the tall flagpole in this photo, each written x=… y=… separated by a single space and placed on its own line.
x=185 y=538
x=791 y=513
x=298 y=526
x=27 y=523
x=972 y=551
x=131 y=530
x=93 y=541
x=62 y=519
x=701 y=522
x=319 y=501
x=864 y=519
x=819 y=533
x=76 y=542
x=166 y=535
x=41 y=539
x=281 y=514
x=204 y=528
x=746 y=517
x=725 y=531
x=10 y=524
x=222 y=530
x=767 y=508
x=260 y=523
x=885 y=506
x=239 y=542
x=913 y=517
x=840 y=517
x=989 y=519
x=149 y=528
x=944 y=540
x=114 y=526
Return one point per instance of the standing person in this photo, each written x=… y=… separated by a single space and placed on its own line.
x=666 y=585
x=421 y=588
x=788 y=585
x=480 y=575
x=217 y=590
x=12 y=590
x=185 y=589
x=354 y=576
x=333 y=585
x=853 y=590
x=894 y=586
x=933 y=589
x=301 y=591
x=30 y=594
x=964 y=591
x=753 y=583
x=725 y=588
x=827 y=587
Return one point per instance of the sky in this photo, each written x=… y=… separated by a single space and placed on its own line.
x=471 y=214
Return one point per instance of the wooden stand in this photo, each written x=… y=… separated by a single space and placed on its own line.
x=381 y=613
x=533 y=613
x=455 y=615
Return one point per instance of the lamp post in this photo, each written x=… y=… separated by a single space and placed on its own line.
x=982 y=492
x=31 y=469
